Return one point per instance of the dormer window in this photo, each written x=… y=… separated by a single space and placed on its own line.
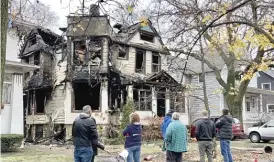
x=147 y=37
x=156 y=62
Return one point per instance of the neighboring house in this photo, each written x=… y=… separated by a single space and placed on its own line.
x=258 y=104
x=258 y=101
x=100 y=68
x=12 y=116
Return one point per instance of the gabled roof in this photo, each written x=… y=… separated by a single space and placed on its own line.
x=45 y=39
x=160 y=75
x=269 y=72
x=126 y=33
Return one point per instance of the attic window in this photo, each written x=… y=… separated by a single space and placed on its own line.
x=200 y=78
x=140 y=61
x=33 y=41
x=37 y=58
x=156 y=62
x=122 y=52
x=147 y=37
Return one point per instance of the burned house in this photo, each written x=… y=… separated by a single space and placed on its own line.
x=103 y=69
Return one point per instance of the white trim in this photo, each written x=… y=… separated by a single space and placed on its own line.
x=268 y=84
x=267 y=107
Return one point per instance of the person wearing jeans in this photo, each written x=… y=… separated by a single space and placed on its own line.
x=205 y=132
x=133 y=134
x=84 y=132
x=224 y=124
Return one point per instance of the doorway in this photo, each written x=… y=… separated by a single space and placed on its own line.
x=161 y=103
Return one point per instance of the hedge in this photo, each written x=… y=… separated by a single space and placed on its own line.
x=10 y=142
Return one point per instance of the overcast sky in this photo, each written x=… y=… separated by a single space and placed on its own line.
x=64 y=7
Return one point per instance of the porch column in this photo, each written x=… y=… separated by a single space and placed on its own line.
x=130 y=92
x=244 y=109
x=17 y=110
x=167 y=101
x=154 y=102
x=104 y=95
x=261 y=103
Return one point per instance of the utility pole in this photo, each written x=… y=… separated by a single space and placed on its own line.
x=83 y=6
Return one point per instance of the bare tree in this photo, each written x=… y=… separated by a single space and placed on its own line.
x=34 y=12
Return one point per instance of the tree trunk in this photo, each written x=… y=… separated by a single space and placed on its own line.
x=234 y=104
x=4 y=26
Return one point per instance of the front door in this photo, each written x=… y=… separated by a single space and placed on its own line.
x=161 y=104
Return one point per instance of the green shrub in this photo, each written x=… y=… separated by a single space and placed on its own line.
x=10 y=142
x=128 y=108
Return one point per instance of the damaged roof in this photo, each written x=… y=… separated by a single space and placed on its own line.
x=45 y=40
x=127 y=32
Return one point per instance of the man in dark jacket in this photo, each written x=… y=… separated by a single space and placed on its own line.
x=84 y=134
x=224 y=124
x=205 y=132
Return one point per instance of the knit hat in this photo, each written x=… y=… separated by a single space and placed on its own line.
x=170 y=112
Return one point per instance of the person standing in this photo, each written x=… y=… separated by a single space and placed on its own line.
x=224 y=124
x=95 y=145
x=166 y=122
x=175 y=139
x=205 y=132
x=84 y=132
x=133 y=134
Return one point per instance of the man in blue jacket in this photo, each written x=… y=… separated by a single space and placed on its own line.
x=166 y=122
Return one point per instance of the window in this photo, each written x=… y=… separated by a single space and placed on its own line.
x=200 y=78
x=142 y=99
x=37 y=58
x=140 y=61
x=266 y=86
x=156 y=62
x=33 y=41
x=147 y=37
x=7 y=89
x=270 y=108
x=40 y=98
x=270 y=124
x=122 y=52
x=248 y=106
x=86 y=94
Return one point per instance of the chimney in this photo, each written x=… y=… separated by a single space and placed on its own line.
x=94 y=10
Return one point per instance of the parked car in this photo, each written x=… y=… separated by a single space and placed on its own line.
x=237 y=128
x=264 y=132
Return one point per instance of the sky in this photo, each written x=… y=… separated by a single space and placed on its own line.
x=63 y=7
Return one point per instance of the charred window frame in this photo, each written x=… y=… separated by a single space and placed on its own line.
x=79 y=52
x=37 y=57
x=147 y=37
x=140 y=61
x=122 y=52
x=156 y=62
x=85 y=93
x=41 y=97
x=143 y=99
x=200 y=78
x=32 y=41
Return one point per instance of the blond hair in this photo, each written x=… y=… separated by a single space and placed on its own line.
x=134 y=118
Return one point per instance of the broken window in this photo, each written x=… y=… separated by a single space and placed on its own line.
x=140 y=61
x=147 y=37
x=40 y=97
x=156 y=62
x=32 y=41
x=94 y=50
x=122 y=52
x=79 y=52
x=177 y=101
x=38 y=131
x=85 y=94
x=37 y=58
x=142 y=98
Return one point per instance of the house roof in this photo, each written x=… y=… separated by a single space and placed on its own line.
x=24 y=67
x=127 y=32
x=45 y=39
x=260 y=91
x=269 y=72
